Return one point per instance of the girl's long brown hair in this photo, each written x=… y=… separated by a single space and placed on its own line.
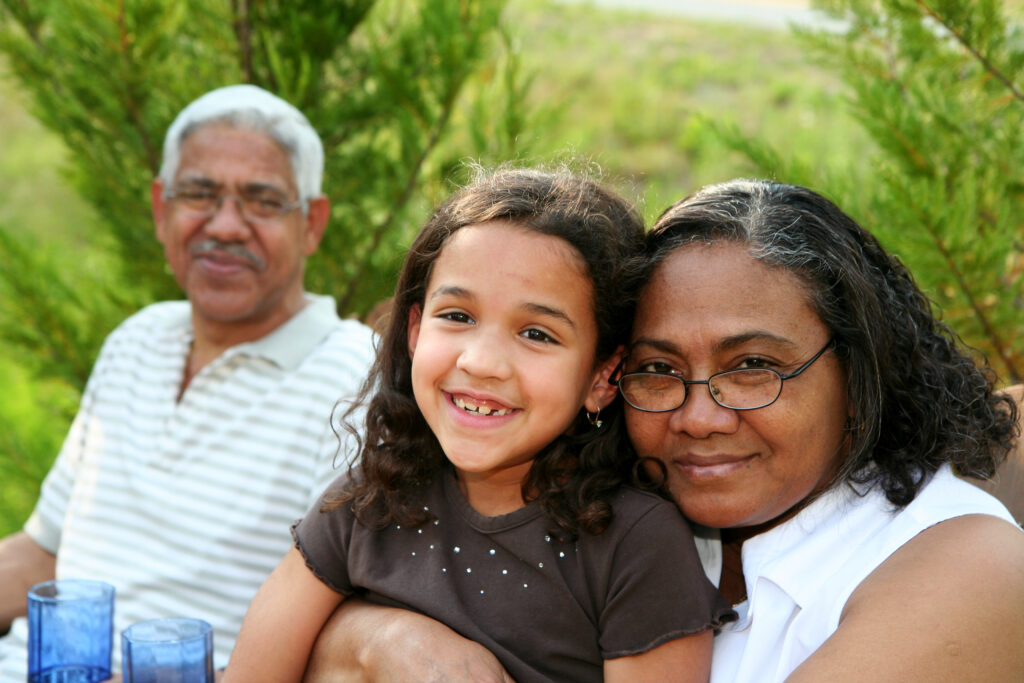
x=574 y=477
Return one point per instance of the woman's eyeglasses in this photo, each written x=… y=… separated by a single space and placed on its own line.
x=743 y=389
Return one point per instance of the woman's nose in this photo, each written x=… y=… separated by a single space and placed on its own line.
x=701 y=416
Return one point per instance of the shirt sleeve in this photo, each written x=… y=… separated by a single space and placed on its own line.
x=324 y=539
x=657 y=590
x=338 y=447
x=46 y=523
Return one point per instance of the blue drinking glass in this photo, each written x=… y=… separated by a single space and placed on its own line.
x=70 y=631
x=168 y=651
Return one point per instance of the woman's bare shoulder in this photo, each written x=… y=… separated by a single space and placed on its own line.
x=965 y=547
x=945 y=606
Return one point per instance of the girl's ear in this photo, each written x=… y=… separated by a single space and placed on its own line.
x=602 y=392
x=415 y=316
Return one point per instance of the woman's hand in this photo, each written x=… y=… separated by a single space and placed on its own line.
x=363 y=642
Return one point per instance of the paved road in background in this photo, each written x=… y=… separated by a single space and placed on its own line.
x=776 y=15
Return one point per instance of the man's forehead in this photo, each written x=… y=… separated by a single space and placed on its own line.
x=227 y=155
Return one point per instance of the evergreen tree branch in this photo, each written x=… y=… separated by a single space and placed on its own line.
x=403 y=198
x=979 y=313
x=32 y=28
x=243 y=33
x=35 y=313
x=130 y=103
x=967 y=45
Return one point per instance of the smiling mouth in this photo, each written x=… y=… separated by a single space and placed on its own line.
x=476 y=409
x=712 y=468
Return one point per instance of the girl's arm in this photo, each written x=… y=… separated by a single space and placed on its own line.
x=282 y=624
x=945 y=607
x=684 y=660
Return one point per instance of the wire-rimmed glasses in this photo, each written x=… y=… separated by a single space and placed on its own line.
x=742 y=389
x=255 y=207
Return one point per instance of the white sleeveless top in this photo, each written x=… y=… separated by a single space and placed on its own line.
x=799 y=575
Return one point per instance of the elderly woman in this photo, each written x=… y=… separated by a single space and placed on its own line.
x=804 y=401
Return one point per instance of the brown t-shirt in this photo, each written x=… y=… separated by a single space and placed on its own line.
x=549 y=610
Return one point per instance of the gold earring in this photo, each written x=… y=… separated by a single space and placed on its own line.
x=595 y=419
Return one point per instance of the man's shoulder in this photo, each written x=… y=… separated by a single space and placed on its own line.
x=337 y=362
x=156 y=326
x=351 y=332
x=347 y=339
x=163 y=315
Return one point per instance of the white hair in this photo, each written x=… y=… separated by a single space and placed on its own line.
x=252 y=108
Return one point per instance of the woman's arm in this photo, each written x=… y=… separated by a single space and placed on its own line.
x=684 y=660
x=364 y=642
x=282 y=624
x=945 y=607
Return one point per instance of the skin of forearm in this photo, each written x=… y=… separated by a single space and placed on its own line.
x=340 y=653
x=22 y=565
x=364 y=642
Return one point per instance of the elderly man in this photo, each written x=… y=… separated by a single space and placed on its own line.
x=204 y=430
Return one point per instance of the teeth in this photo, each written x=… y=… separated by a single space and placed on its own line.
x=480 y=410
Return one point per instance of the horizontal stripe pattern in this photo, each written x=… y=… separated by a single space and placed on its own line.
x=185 y=506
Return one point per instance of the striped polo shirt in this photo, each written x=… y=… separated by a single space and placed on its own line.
x=185 y=505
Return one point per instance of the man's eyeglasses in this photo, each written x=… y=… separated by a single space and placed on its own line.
x=743 y=389
x=255 y=207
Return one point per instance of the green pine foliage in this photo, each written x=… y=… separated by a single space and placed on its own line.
x=380 y=80
x=400 y=91
x=937 y=85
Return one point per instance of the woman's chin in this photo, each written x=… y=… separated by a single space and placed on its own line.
x=719 y=512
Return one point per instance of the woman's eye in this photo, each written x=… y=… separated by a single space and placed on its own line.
x=658 y=367
x=534 y=334
x=755 y=362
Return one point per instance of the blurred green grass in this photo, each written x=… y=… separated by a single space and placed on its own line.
x=636 y=92
x=36 y=200
x=632 y=92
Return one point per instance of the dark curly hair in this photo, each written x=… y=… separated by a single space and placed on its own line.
x=918 y=398
x=574 y=477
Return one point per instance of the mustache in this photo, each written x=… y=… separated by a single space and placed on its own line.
x=232 y=248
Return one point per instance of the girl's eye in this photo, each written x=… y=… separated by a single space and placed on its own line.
x=533 y=334
x=456 y=317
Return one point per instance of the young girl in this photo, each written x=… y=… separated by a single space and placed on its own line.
x=491 y=492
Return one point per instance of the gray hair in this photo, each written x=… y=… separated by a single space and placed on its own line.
x=252 y=108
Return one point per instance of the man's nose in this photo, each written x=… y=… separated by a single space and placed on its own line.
x=227 y=222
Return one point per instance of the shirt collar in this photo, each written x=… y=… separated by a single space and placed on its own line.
x=800 y=554
x=291 y=343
